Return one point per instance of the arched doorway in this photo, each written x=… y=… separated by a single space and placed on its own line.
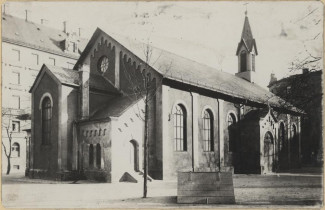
x=268 y=152
x=134 y=154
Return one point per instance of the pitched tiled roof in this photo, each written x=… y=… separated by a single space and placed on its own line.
x=64 y=75
x=116 y=108
x=181 y=69
x=100 y=83
x=36 y=36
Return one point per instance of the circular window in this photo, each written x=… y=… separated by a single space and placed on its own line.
x=103 y=64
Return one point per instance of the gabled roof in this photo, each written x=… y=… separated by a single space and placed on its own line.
x=247 y=38
x=63 y=75
x=36 y=36
x=178 y=68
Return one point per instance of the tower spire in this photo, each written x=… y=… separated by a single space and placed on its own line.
x=246 y=8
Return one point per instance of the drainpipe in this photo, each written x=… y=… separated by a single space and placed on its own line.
x=195 y=131
x=219 y=162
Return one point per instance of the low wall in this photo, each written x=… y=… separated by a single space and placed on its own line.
x=205 y=188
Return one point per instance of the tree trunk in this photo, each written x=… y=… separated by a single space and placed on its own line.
x=145 y=151
x=9 y=166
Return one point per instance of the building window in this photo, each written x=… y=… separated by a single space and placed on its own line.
x=15 y=78
x=243 y=63
x=52 y=61
x=232 y=131
x=35 y=58
x=180 y=128
x=281 y=137
x=15 y=150
x=15 y=102
x=15 y=126
x=98 y=156
x=46 y=121
x=91 y=156
x=16 y=54
x=208 y=142
x=16 y=167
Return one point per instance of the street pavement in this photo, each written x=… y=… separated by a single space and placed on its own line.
x=280 y=190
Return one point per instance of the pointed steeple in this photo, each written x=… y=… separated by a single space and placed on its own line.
x=247 y=37
x=246 y=52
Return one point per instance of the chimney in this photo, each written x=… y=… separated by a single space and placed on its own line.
x=27 y=14
x=272 y=79
x=66 y=28
x=84 y=73
x=305 y=70
x=79 y=30
x=4 y=9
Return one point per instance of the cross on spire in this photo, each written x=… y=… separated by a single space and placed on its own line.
x=245 y=4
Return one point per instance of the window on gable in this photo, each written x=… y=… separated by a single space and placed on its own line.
x=52 y=61
x=15 y=126
x=243 y=61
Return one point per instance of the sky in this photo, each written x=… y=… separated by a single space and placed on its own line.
x=207 y=32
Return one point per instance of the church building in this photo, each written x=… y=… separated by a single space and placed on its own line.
x=91 y=119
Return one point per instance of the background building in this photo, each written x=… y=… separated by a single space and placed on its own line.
x=25 y=47
x=304 y=90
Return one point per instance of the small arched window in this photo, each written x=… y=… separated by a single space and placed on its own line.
x=98 y=156
x=180 y=128
x=208 y=142
x=15 y=150
x=243 y=61
x=46 y=120
x=91 y=156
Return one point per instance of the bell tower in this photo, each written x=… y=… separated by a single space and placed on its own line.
x=246 y=52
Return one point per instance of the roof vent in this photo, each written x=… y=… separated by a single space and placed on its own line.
x=38 y=29
x=16 y=33
x=3 y=18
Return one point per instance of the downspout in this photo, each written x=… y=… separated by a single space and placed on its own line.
x=192 y=131
x=219 y=162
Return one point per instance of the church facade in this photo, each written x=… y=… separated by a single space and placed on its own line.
x=90 y=119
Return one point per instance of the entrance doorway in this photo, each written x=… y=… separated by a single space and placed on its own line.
x=134 y=155
x=268 y=152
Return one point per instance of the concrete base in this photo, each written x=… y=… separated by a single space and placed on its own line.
x=205 y=188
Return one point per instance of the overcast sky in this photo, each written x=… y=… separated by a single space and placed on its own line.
x=207 y=32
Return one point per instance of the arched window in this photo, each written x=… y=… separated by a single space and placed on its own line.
x=98 y=156
x=281 y=137
x=91 y=156
x=294 y=131
x=46 y=120
x=232 y=131
x=208 y=143
x=15 y=150
x=243 y=61
x=180 y=128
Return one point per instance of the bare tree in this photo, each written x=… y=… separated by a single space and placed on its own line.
x=143 y=86
x=8 y=115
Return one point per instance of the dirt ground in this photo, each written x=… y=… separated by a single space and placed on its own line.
x=280 y=190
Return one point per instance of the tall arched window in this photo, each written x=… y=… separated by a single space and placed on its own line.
x=232 y=131
x=15 y=150
x=180 y=128
x=91 y=156
x=208 y=143
x=46 y=120
x=98 y=156
x=243 y=61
